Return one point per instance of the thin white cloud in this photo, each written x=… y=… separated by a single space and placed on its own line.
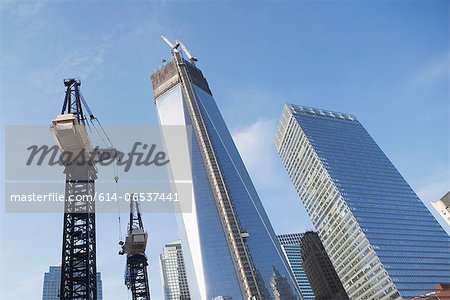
x=433 y=190
x=8 y=59
x=254 y=143
x=29 y=8
x=86 y=59
x=79 y=62
x=434 y=184
x=5 y=5
x=434 y=71
x=26 y=287
x=21 y=9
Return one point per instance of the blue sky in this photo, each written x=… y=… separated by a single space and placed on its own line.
x=385 y=62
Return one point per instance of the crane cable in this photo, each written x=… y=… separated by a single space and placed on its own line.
x=91 y=132
x=116 y=179
x=115 y=166
x=104 y=132
x=96 y=129
x=92 y=117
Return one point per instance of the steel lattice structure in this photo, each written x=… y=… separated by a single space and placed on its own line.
x=136 y=278
x=78 y=271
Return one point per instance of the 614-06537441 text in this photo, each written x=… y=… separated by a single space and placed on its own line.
x=102 y=197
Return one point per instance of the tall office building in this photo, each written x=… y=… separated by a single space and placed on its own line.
x=230 y=244
x=173 y=272
x=290 y=244
x=443 y=207
x=52 y=282
x=319 y=269
x=380 y=237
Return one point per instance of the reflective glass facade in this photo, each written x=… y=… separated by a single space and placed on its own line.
x=380 y=237
x=210 y=264
x=52 y=282
x=290 y=243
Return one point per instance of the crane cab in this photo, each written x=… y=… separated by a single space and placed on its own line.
x=135 y=242
x=71 y=136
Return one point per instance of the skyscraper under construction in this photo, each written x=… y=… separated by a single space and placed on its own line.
x=230 y=246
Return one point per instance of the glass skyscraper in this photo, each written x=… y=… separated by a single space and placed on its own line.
x=380 y=237
x=290 y=243
x=52 y=282
x=173 y=272
x=229 y=245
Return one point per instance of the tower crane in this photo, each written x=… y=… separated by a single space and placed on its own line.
x=78 y=271
x=177 y=44
x=136 y=278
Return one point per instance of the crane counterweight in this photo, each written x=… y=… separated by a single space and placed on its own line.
x=70 y=135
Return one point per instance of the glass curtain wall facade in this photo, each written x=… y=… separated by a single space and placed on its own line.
x=52 y=282
x=380 y=237
x=173 y=273
x=290 y=243
x=228 y=241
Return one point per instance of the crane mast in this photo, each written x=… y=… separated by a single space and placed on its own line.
x=78 y=271
x=136 y=277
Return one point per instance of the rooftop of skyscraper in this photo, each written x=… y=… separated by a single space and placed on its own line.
x=300 y=109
